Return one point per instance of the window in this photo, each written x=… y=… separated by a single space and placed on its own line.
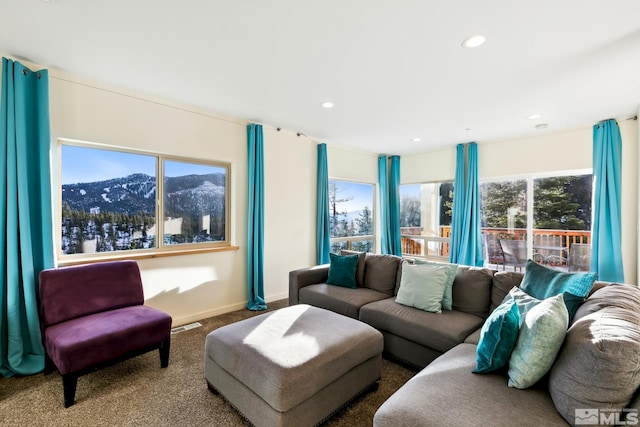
x=425 y=219
x=110 y=201
x=551 y=213
x=351 y=216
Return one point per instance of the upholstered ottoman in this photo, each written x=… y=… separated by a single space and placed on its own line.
x=292 y=367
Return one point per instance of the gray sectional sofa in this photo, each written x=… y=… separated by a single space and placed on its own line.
x=444 y=347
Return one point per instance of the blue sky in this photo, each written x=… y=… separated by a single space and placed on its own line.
x=362 y=195
x=410 y=190
x=82 y=164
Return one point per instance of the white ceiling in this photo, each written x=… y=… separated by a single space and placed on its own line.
x=395 y=69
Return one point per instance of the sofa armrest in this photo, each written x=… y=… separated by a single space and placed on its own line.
x=304 y=277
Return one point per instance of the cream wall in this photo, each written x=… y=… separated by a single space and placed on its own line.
x=554 y=152
x=191 y=287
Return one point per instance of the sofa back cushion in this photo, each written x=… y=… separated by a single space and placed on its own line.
x=70 y=292
x=598 y=365
x=503 y=282
x=472 y=290
x=381 y=272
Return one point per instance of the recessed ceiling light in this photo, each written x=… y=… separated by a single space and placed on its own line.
x=474 y=41
x=327 y=104
x=542 y=126
x=416 y=139
x=534 y=116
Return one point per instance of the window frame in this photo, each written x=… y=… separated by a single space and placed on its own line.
x=442 y=242
x=529 y=178
x=351 y=239
x=161 y=249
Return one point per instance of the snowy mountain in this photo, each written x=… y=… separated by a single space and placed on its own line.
x=137 y=193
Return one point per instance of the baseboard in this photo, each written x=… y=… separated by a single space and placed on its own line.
x=222 y=310
x=209 y=313
x=276 y=297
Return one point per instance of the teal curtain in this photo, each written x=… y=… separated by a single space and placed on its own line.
x=466 y=233
x=389 y=195
x=606 y=249
x=255 y=226
x=26 y=230
x=394 y=207
x=323 y=228
x=383 y=202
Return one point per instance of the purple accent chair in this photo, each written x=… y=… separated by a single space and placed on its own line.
x=93 y=316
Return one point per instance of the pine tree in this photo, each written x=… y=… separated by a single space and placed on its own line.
x=409 y=211
x=498 y=197
x=553 y=207
x=335 y=215
x=364 y=222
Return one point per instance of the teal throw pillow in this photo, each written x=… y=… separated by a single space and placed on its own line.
x=523 y=300
x=422 y=286
x=542 y=282
x=447 y=299
x=342 y=270
x=539 y=340
x=498 y=337
x=526 y=302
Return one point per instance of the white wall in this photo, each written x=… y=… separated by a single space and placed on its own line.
x=554 y=152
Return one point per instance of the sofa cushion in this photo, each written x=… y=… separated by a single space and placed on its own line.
x=342 y=270
x=542 y=282
x=360 y=269
x=381 y=272
x=599 y=364
x=540 y=337
x=447 y=393
x=472 y=290
x=437 y=331
x=498 y=337
x=422 y=286
x=452 y=270
x=338 y=299
x=503 y=282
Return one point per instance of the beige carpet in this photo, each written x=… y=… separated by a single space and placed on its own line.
x=138 y=393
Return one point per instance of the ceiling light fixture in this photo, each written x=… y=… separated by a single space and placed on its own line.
x=534 y=116
x=416 y=139
x=327 y=104
x=474 y=41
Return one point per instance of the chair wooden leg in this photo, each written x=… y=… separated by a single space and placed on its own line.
x=164 y=352
x=49 y=366
x=69 y=383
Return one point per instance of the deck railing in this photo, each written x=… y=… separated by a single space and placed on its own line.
x=414 y=243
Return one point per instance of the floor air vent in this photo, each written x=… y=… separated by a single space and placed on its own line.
x=185 y=327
